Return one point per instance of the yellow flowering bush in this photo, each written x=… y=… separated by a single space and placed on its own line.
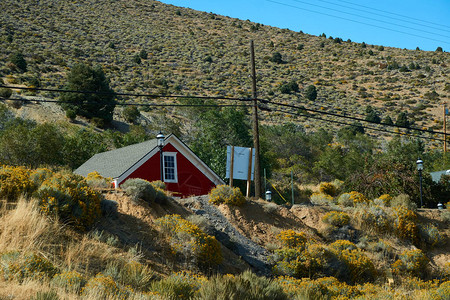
x=357 y=197
x=67 y=196
x=70 y=281
x=226 y=195
x=336 y=218
x=293 y=262
x=39 y=175
x=95 y=180
x=321 y=288
x=386 y=198
x=291 y=239
x=341 y=259
x=103 y=287
x=328 y=188
x=413 y=262
x=405 y=224
x=14 y=182
x=181 y=285
x=30 y=265
x=360 y=266
x=446 y=271
x=341 y=245
x=182 y=233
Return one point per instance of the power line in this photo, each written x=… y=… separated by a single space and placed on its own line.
x=133 y=104
x=125 y=94
x=265 y=101
x=370 y=18
x=385 y=16
x=354 y=125
x=358 y=22
x=394 y=14
x=347 y=117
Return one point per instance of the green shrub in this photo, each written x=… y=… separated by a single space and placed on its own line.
x=431 y=235
x=103 y=287
x=131 y=113
x=345 y=200
x=183 y=285
x=132 y=274
x=71 y=114
x=336 y=218
x=70 y=281
x=68 y=196
x=158 y=184
x=5 y=93
x=413 y=262
x=139 y=189
x=40 y=175
x=224 y=194
x=403 y=200
x=244 y=286
x=374 y=218
x=19 y=61
x=189 y=240
x=50 y=295
x=321 y=199
x=27 y=266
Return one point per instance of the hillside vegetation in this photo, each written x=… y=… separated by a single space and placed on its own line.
x=150 y=47
x=122 y=247
x=353 y=228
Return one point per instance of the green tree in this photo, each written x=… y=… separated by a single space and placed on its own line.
x=143 y=54
x=97 y=99
x=277 y=58
x=214 y=129
x=311 y=92
x=131 y=113
x=80 y=145
x=26 y=143
x=439 y=49
x=373 y=116
x=402 y=120
x=387 y=120
x=19 y=61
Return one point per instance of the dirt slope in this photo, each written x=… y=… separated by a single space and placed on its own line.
x=247 y=233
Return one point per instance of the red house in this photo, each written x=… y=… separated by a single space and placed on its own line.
x=184 y=173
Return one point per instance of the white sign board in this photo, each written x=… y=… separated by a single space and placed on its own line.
x=240 y=163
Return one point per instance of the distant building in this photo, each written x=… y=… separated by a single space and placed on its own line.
x=184 y=173
x=436 y=176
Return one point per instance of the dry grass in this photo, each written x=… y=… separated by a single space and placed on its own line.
x=24 y=228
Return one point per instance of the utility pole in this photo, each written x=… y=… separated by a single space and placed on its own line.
x=255 y=124
x=445 y=130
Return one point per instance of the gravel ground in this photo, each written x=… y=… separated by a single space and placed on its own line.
x=255 y=255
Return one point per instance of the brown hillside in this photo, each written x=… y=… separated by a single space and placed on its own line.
x=196 y=53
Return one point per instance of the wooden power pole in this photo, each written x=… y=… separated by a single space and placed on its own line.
x=257 y=174
x=445 y=129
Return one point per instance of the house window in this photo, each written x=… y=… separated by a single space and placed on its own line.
x=170 y=167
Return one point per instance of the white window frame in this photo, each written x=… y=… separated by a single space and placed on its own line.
x=174 y=155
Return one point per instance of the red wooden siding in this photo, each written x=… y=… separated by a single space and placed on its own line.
x=191 y=181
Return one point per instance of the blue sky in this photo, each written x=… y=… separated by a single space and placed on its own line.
x=394 y=23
